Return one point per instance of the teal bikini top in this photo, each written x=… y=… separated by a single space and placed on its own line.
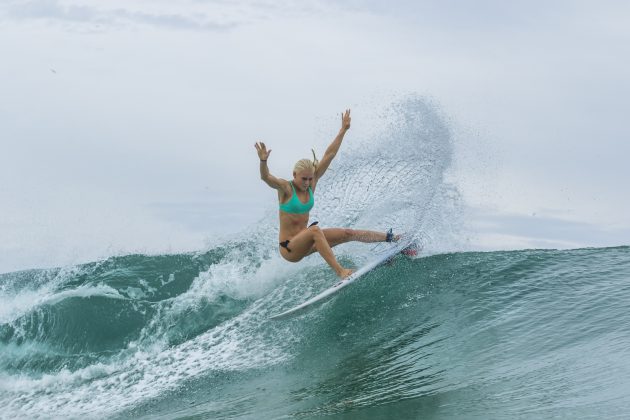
x=295 y=206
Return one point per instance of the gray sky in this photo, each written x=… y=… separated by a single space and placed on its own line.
x=127 y=124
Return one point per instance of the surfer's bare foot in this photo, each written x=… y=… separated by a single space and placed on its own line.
x=345 y=272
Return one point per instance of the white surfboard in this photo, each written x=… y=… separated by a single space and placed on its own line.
x=380 y=258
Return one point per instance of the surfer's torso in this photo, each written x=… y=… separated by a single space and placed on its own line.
x=294 y=212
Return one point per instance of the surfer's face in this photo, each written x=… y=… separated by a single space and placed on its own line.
x=303 y=179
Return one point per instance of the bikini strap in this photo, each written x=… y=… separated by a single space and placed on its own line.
x=285 y=244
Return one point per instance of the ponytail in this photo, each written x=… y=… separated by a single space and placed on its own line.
x=315 y=160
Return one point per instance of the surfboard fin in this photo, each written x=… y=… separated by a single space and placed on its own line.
x=411 y=251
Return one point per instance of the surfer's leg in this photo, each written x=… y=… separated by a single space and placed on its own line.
x=336 y=236
x=311 y=239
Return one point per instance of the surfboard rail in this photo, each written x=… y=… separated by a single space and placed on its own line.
x=381 y=258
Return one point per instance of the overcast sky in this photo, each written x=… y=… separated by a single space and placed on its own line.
x=129 y=125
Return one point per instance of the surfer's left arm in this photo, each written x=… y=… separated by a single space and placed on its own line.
x=332 y=150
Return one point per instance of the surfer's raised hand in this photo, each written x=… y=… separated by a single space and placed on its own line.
x=263 y=153
x=345 y=120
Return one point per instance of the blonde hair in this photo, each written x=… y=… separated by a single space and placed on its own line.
x=306 y=164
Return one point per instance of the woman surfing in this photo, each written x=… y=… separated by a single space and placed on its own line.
x=296 y=199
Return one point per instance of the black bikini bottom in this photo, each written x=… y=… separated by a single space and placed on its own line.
x=285 y=244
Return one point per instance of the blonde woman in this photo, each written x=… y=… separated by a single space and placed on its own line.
x=296 y=199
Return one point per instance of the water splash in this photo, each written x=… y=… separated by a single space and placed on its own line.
x=190 y=315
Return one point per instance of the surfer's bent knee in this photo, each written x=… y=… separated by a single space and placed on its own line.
x=316 y=230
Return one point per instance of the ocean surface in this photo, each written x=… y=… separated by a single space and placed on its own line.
x=449 y=334
x=519 y=334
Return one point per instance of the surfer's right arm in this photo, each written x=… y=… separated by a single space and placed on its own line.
x=272 y=181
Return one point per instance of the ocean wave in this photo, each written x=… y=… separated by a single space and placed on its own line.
x=447 y=335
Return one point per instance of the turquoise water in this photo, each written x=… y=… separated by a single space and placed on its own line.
x=530 y=334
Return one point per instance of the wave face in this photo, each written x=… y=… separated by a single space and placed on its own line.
x=500 y=334
x=526 y=334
